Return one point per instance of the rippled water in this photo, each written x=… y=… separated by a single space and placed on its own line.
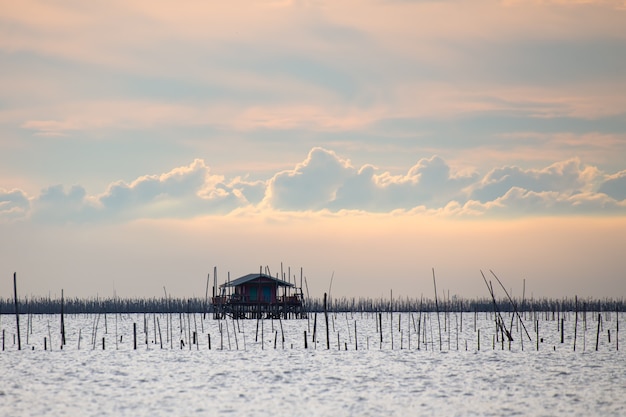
x=248 y=378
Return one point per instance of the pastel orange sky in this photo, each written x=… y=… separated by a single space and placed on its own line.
x=143 y=143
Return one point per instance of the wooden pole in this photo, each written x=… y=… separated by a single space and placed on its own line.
x=437 y=308
x=515 y=310
x=62 y=322
x=380 y=326
x=17 y=314
x=419 y=325
x=575 y=321
x=391 y=317
x=326 y=318
x=160 y=337
x=537 y=324
x=206 y=296
x=598 y=332
x=135 y=336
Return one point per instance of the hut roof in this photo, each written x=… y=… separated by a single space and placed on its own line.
x=252 y=277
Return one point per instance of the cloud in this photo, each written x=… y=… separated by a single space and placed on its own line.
x=49 y=127
x=565 y=177
x=325 y=182
x=429 y=183
x=14 y=204
x=54 y=204
x=312 y=184
x=615 y=186
x=182 y=192
x=518 y=202
x=187 y=191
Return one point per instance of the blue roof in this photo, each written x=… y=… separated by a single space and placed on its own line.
x=252 y=277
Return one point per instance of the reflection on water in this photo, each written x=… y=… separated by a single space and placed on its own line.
x=260 y=380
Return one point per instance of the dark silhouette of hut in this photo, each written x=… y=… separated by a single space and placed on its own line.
x=258 y=295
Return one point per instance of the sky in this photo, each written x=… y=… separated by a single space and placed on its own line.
x=359 y=144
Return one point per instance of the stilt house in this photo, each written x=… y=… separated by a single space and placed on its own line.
x=258 y=295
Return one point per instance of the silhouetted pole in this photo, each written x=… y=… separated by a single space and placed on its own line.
x=575 y=322
x=437 y=307
x=598 y=332
x=17 y=313
x=62 y=322
x=326 y=317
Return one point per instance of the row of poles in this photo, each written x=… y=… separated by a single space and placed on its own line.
x=424 y=326
x=501 y=330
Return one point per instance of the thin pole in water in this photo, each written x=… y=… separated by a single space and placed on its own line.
x=598 y=332
x=437 y=308
x=537 y=324
x=62 y=322
x=616 y=328
x=380 y=326
x=17 y=314
x=326 y=318
x=575 y=321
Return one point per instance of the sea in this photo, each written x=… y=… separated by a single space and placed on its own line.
x=360 y=364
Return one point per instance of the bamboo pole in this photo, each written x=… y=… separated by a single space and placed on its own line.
x=326 y=318
x=160 y=338
x=62 y=321
x=437 y=308
x=514 y=304
x=419 y=324
x=598 y=332
x=235 y=334
x=17 y=314
x=537 y=324
x=206 y=297
x=380 y=326
x=575 y=321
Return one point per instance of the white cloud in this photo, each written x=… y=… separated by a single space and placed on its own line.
x=13 y=204
x=328 y=183
x=429 y=182
x=615 y=186
x=568 y=177
x=312 y=184
x=54 y=204
x=183 y=192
